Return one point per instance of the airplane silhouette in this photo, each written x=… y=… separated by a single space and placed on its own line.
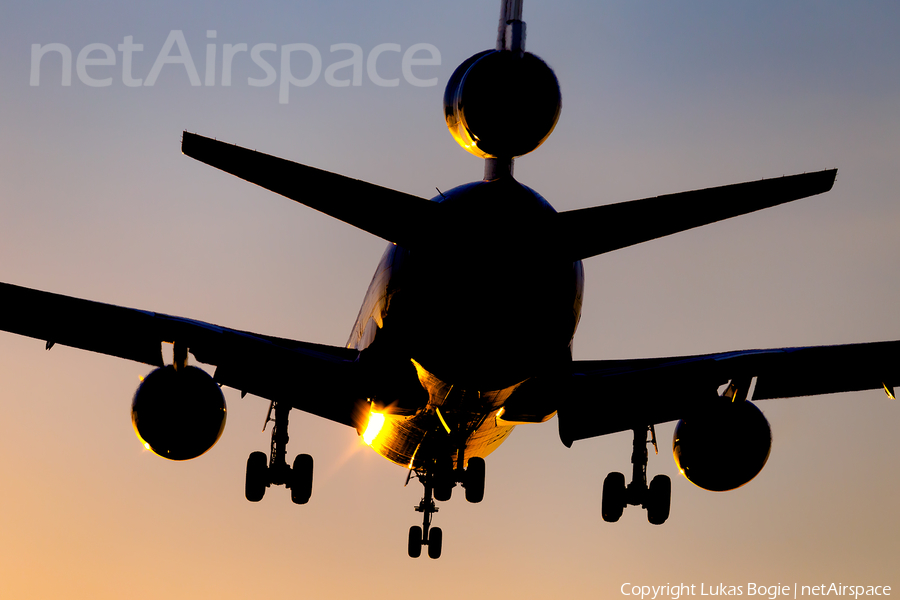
x=466 y=328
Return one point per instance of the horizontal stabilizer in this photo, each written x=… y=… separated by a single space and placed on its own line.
x=394 y=216
x=591 y=231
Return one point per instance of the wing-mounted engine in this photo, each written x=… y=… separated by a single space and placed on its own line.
x=723 y=445
x=178 y=413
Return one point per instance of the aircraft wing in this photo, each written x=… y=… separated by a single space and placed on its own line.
x=314 y=378
x=618 y=395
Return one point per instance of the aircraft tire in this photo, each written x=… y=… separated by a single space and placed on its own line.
x=435 y=540
x=659 y=499
x=475 y=473
x=443 y=491
x=414 y=546
x=257 y=476
x=613 y=501
x=302 y=479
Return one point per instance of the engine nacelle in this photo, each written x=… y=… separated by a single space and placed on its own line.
x=178 y=414
x=722 y=446
x=497 y=104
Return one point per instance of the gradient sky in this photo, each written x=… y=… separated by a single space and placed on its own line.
x=97 y=201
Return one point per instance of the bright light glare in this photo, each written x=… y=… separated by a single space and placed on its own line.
x=376 y=422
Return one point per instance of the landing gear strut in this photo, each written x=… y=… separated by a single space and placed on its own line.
x=298 y=478
x=472 y=480
x=426 y=535
x=656 y=497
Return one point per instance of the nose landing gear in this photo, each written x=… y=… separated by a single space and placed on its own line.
x=656 y=497
x=472 y=480
x=426 y=535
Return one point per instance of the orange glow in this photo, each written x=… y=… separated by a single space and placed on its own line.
x=376 y=422
x=441 y=417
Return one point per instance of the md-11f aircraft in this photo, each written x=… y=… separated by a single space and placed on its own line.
x=501 y=271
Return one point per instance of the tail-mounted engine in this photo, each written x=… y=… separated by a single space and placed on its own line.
x=722 y=446
x=500 y=103
x=178 y=413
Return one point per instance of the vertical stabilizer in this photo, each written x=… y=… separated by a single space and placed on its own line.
x=511 y=30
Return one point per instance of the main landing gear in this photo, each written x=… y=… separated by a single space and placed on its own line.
x=441 y=488
x=298 y=479
x=656 y=497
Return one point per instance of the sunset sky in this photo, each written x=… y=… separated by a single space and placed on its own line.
x=96 y=201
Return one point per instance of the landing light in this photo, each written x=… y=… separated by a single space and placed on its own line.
x=376 y=422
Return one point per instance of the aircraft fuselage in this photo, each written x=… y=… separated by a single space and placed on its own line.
x=458 y=332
